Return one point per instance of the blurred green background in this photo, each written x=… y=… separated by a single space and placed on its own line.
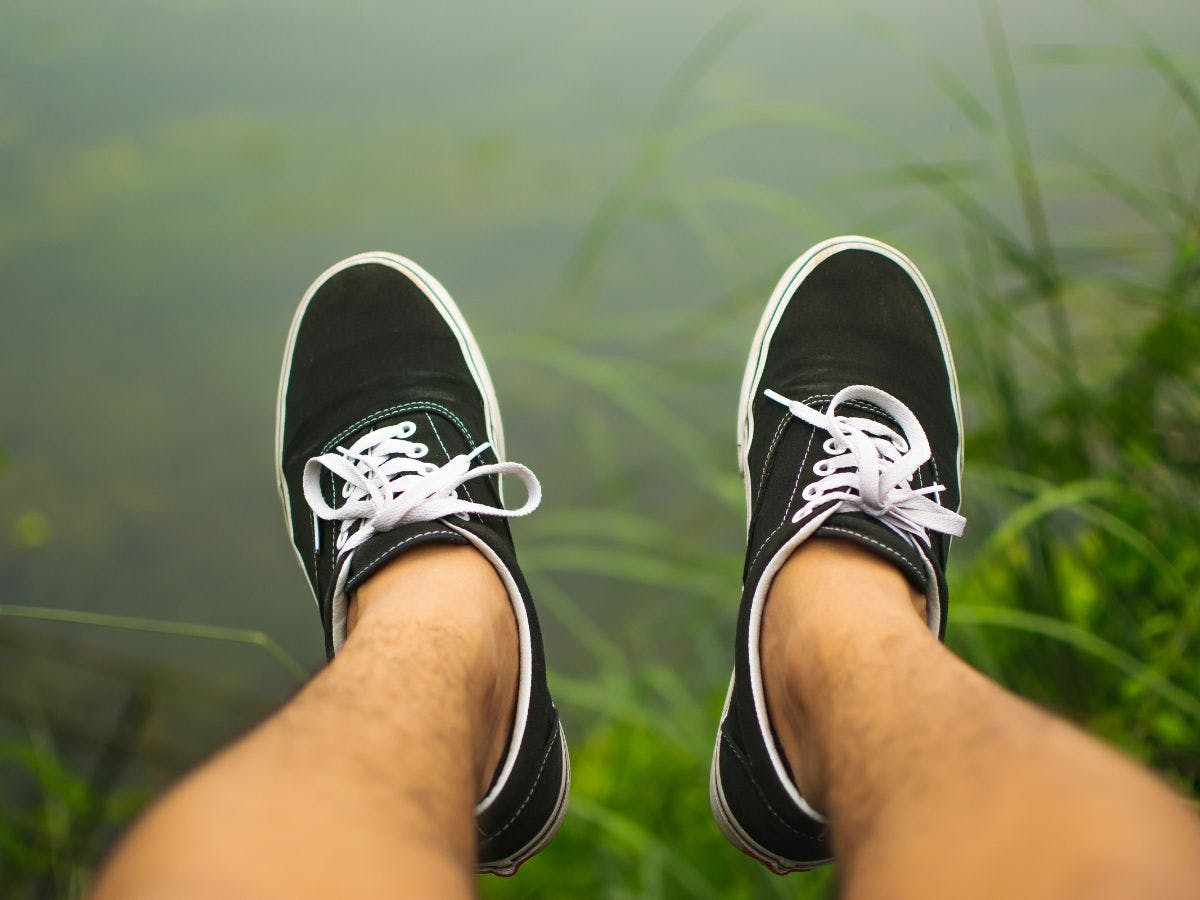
x=610 y=192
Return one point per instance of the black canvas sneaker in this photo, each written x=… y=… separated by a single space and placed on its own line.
x=849 y=427
x=388 y=437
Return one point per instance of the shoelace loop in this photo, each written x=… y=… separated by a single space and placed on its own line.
x=386 y=485
x=870 y=466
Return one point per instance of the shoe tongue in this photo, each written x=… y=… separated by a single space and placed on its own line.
x=866 y=530
x=871 y=534
x=382 y=547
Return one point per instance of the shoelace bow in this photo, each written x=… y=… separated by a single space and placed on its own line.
x=870 y=467
x=386 y=485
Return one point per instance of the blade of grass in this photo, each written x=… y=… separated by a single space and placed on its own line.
x=625 y=831
x=1084 y=642
x=1020 y=153
x=1083 y=54
x=651 y=155
x=161 y=626
x=977 y=216
x=626 y=530
x=1165 y=65
x=640 y=567
x=716 y=122
x=1028 y=514
x=627 y=384
x=968 y=105
x=690 y=716
x=1162 y=209
x=763 y=197
x=619 y=702
x=1169 y=71
x=607 y=654
x=1025 y=174
x=693 y=213
x=697 y=64
x=109 y=766
x=91 y=658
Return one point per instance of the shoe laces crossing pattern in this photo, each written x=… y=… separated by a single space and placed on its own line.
x=869 y=467
x=385 y=484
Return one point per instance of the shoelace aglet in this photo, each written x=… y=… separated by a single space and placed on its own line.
x=780 y=399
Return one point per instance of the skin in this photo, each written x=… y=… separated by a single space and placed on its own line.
x=364 y=785
x=937 y=782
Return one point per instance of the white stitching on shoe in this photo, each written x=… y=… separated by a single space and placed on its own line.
x=783 y=421
x=799 y=474
x=536 y=780
x=407 y=540
x=763 y=545
x=442 y=443
x=778 y=434
x=745 y=763
x=375 y=417
x=874 y=465
x=882 y=546
x=787 y=509
x=403 y=407
x=850 y=402
x=762 y=481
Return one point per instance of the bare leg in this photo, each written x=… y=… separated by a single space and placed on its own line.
x=937 y=782
x=365 y=784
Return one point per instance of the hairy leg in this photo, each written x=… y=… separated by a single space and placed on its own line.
x=363 y=785
x=936 y=781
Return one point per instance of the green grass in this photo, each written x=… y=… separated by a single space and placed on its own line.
x=1076 y=585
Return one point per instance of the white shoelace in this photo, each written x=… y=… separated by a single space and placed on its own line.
x=870 y=467
x=386 y=485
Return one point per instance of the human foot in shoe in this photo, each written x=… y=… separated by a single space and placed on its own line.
x=388 y=438
x=849 y=428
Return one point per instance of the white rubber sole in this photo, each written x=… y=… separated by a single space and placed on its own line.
x=732 y=829
x=509 y=866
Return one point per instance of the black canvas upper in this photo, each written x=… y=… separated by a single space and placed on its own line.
x=370 y=349
x=847 y=313
x=857 y=318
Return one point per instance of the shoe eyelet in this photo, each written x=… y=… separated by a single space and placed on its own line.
x=830 y=446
